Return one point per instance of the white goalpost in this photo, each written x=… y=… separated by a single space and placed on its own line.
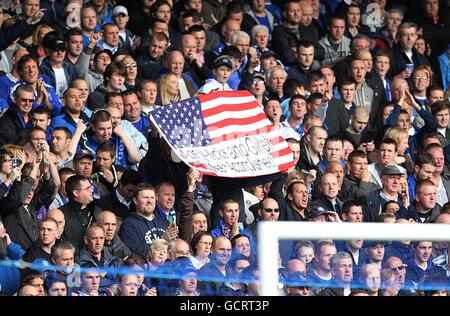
x=270 y=232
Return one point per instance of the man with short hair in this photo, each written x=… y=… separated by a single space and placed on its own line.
x=335 y=44
x=321 y=273
x=140 y=229
x=424 y=168
x=424 y=208
x=305 y=63
x=107 y=173
x=216 y=267
x=48 y=231
x=311 y=155
x=286 y=36
x=388 y=154
x=41 y=117
x=420 y=263
x=228 y=225
x=404 y=53
x=58 y=216
x=79 y=211
x=294 y=208
x=102 y=130
x=332 y=152
x=120 y=200
x=17 y=119
x=342 y=271
x=151 y=61
x=297 y=110
x=133 y=111
x=352 y=211
x=328 y=195
x=113 y=243
x=94 y=252
x=72 y=112
x=74 y=42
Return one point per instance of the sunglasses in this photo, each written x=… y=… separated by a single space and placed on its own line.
x=399 y=268
x=271 y=210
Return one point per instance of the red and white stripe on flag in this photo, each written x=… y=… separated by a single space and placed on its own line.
x=243 y=140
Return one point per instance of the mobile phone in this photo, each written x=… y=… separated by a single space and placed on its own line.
x=171 y=219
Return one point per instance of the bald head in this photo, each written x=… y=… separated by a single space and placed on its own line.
x=188 y=45
x=108 y=221
x=329 y=186
x=58 y=216
x=443 y=218
x=296 y=265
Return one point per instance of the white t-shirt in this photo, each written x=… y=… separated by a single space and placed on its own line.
x=61 y=81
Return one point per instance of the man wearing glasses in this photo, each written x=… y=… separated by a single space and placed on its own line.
x=17 y=119
x=79 y=211
x=396 y=265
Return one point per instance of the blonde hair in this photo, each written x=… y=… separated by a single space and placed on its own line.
x=36 y=32
x=396 y=133
x=427 y=69
x=163 y=88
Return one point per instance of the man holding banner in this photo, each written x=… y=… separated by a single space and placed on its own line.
x=225 y=135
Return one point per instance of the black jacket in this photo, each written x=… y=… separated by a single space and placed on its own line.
x=12 y=130
x=35 y=251
x=21 y=223
x=283 y=39
x=117 y=248
x=354 y=189
x=77 y=221
x=337 y=117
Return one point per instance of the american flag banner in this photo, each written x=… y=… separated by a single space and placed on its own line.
x=225 y=133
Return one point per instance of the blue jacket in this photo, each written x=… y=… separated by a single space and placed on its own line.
x=216 y=232
x=143 y=125
x=444 y=62
x=9 y=274
x=6 y=83
x=138 y=233
x=65 y=120
x=399 y=250
x=415 y=274
x=48 y=73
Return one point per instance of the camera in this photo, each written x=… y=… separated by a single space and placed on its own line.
x=16 y=162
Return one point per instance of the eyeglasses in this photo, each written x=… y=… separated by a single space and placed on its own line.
x=134 y=65
x=399 y=268
x=183 y=253
x=87 y=188
x=420 y=78
x=271 y=210
x=24 y=100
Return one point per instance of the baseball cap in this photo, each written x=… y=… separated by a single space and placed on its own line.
x=82 y=154
x=392 y=171
x=317 y=211
x=223 y=61
x=53 y=41
x=42 y=265
x=268 y=53
x=120 y=9
x=260 y=75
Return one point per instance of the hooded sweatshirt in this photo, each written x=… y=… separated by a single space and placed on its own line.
x=138 y=233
